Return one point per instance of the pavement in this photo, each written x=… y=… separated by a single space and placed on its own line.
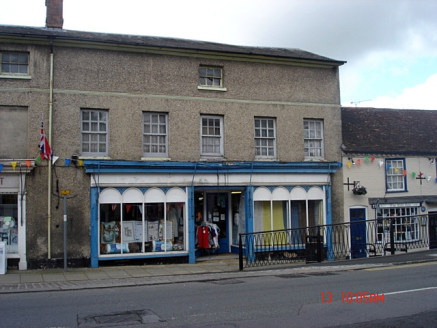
x=210 y=268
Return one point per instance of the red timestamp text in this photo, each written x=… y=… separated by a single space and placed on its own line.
x=354 y=297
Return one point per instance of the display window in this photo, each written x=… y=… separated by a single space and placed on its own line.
x=142 y=223
x=238 y=216
x=8 y=222
x=405 y=224
x=280 y=209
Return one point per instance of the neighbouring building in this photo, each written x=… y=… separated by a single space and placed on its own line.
x=389 y=168
x=157 y=140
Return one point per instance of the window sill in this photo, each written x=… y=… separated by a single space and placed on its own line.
x=395 y=191
x=15 y=77
x=266 y=159
x=314 y=159
x=217 y=158
x=200 y=87
x=160 y=159
x=94 y=157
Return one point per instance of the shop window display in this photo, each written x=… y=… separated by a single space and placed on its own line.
x=131 y=233
x=405 y=224
x=294 y=214
x=8 y=222
x=141 y=228
x=110 y=224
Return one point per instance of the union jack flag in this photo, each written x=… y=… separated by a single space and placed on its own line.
x=44 y=146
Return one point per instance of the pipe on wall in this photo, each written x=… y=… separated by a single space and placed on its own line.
x=49 y=173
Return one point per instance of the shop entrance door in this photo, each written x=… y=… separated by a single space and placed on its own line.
x=358 y=232
x=432 y=219
x=217 y=213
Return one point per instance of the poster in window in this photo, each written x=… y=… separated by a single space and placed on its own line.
x=110 y=232
x=128 y=232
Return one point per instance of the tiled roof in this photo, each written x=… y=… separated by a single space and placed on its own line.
x=161 y=42
x=389 y=131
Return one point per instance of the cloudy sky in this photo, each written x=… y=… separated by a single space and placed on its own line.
x=390 y=45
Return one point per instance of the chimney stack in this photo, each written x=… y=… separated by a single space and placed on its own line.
x=54 y=17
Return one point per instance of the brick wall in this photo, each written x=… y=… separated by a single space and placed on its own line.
x=54 y=17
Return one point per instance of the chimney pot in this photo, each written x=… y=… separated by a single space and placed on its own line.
x=54 y=17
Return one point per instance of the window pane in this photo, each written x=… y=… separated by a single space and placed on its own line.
x=155 y=134
x=313 y=138
x=210 y=76
x=94 y=128
x=265 y=137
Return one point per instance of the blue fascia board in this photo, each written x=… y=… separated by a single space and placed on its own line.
x=109 y=166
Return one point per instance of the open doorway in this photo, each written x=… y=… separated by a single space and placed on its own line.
x=212 y=223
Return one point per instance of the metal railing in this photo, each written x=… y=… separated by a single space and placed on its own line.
x=334 y=242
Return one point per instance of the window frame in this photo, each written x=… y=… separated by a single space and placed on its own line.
x=205 y=77
x=221 y=137
x=158 y=134
x=18 y=64
x=267 y=138
x=309 y=139
x=90 y=133
x=388 y=174
x=406 y=225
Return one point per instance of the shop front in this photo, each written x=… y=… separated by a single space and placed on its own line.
x=13 y=210
x=179 y=209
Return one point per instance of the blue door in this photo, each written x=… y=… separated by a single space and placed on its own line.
x=358 y=232
x=217 y=213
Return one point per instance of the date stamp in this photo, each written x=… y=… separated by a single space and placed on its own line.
x=354 y=297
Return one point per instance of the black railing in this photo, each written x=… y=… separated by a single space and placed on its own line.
x=334 y=242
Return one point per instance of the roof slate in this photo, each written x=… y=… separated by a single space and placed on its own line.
x=161 y=42
x=389 y=131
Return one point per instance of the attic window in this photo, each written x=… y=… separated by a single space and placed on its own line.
x=211 y=78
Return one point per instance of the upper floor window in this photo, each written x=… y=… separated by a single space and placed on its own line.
x=265 y=137
x=94 y=132
x=211 y=135
x=155 y=134
x=313 y=139
x=395 y=177
x=211 y=77
x=14 y=63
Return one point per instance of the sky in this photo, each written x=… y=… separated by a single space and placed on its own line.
x=390 y=46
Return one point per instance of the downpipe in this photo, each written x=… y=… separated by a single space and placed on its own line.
x=49 y=173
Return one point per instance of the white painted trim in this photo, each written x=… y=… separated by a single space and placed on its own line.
x=204 y=179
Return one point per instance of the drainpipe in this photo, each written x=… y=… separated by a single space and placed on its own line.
x=49 y=175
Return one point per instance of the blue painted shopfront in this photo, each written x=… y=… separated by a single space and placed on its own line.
x=227 y=190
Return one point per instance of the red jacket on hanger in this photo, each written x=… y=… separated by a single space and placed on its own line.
x=203 y=237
